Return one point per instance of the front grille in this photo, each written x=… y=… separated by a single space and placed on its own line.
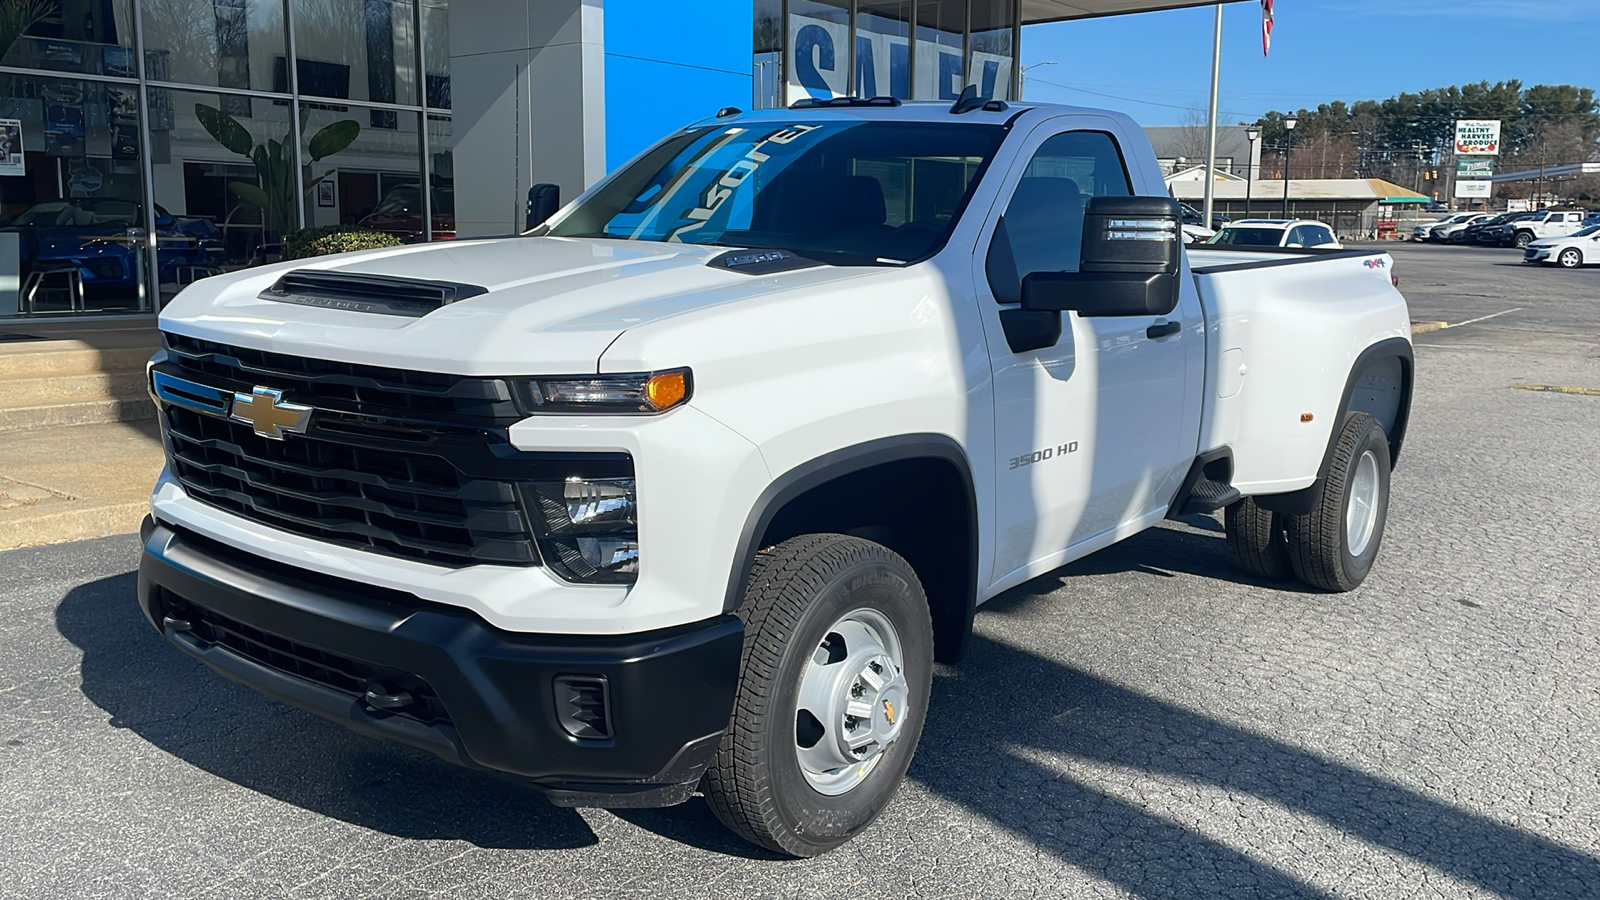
x=1530 y=254
x=412 y=465
x=407 y=504
x=349 y=387
x=339 y=673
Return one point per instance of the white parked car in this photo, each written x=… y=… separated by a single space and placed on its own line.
x=1552 y=224
x=1295 y=234
x=1570 y=252
x=1425 y=230
x=687 y=489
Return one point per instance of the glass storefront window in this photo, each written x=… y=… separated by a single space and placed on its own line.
x=443 y=168
x=92 y=38
x=941 y=26
x=436 y=52
x=883 y=48
x=223 y=169
x=819 y=49
x=991 y=54
x=72 y=198
x=767 y=42
x=221 y=43
x=355 y=50
x=362 y=176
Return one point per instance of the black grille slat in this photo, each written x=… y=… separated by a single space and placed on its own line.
x=343 y=674
x=351 y=387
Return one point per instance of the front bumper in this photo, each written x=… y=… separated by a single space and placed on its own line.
x=1537 y=254
x=485 y=698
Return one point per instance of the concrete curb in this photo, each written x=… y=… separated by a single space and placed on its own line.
x=73 y=525
x=1425 y=327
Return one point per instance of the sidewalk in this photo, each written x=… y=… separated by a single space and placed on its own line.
x=77 y=482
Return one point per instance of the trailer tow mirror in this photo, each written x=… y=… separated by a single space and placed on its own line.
x=1132 y=254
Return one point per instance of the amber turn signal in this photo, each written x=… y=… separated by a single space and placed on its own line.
x=665 y=390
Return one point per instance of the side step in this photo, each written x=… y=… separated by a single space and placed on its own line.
x=1206 y=488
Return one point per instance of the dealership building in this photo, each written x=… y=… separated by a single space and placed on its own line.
x=148 y=143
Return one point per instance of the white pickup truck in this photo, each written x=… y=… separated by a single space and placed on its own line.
x=687 y=489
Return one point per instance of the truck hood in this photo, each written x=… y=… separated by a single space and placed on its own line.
x=550 y=305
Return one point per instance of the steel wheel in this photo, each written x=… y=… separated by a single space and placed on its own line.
x=1361 y=507
x=851 y=703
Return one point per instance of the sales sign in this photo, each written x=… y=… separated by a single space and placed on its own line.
x=1465 y=189
x=1478 y=137
x=1474 y=168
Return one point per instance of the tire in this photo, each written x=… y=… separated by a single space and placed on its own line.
x=1256 y=541
x=801 y=596
x=1522 y=240
x=1333 y=546
x=1570 y=258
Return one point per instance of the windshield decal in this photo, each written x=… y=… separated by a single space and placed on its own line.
x=723 y=188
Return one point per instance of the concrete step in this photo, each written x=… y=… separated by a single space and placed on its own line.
x=69 y=358
x=83 y=412
x=51 y=389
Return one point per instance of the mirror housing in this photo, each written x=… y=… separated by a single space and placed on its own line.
x=543 y=202
x=1131 y=259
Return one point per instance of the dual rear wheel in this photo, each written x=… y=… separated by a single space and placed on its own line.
x=1331 y=547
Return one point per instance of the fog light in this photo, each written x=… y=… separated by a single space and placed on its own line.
x=610 y=554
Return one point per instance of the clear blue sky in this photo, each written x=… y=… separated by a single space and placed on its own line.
x=1322 y=50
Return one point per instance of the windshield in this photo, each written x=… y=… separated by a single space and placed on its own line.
x=851 y=192
x=1249 y=237
x=1592 y=229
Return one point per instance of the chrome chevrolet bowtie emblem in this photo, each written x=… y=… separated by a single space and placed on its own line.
x=264 y=410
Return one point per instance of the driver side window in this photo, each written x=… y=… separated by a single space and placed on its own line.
x=1041 y=229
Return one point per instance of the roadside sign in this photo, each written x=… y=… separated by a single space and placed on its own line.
x=1474 y=189
x=1474 y=168
x=1478 y=137
x=1516 y=206
x=1591 y=168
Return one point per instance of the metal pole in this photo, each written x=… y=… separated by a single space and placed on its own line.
x=1288 y=153
x=1249 y=181
x=1211 y=150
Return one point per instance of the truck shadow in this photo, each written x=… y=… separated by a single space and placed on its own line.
x=234 y=733
x=1013 y=764
x=1164 y=552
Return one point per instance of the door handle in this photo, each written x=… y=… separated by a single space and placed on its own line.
x=1162 y=330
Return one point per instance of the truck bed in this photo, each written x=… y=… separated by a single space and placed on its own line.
x=1283 y=332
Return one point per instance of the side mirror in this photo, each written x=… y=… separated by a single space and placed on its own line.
x=543 y=201
x=1132 y=255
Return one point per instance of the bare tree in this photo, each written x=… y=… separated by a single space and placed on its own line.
x=1194 y=136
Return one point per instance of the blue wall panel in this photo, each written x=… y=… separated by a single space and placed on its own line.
x=670 y=63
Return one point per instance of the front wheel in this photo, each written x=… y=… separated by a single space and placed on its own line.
x=833 y=689
x=1522 y=240
x=1570 y=258
x=1333 y=546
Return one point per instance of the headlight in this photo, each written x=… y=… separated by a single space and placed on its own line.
x=644 y=392
x=591 y=531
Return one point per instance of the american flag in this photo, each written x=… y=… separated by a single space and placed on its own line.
x=1266 y=26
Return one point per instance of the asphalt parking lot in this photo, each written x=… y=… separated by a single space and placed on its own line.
x=1143 y=723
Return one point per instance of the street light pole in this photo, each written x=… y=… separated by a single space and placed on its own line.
x=1252 y=134
x=1022 y=77
x=1288 y=153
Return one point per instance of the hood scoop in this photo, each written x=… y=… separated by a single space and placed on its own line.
x=359 y=292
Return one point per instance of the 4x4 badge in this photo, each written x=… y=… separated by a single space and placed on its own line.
x=264 y=410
